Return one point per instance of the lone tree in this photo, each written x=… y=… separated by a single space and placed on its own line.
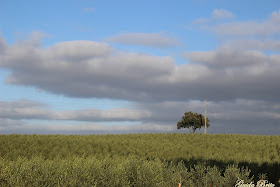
x=192 y=121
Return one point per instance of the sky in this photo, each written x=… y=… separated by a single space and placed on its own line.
x=131 y=66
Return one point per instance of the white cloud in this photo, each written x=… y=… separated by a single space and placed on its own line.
x=275 y=16
x=25 y=109
x=250 y=29
x=199 y=21
x=221 y=14
x=89 y=9
x=117 y=114
x=253 y=28
x=88 y=128
x=144 y=39
x=217 y=15
x=237 y=116
x=7 y=123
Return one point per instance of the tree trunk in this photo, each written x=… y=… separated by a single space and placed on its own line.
x=194 y=130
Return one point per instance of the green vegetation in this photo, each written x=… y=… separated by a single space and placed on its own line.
x=137 y=159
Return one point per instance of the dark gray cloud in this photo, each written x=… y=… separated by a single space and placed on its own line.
x=96 y=70
x=228 y=57
x=239 y=116
x=3 y=45
x=253 y=44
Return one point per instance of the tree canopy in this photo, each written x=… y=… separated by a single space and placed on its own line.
x=192 y=121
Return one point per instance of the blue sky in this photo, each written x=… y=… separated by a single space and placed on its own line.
x=127 y=66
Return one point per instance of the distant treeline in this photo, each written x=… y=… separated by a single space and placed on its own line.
x=137 y=159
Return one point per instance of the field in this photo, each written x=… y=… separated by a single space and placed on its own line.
x=137 y=159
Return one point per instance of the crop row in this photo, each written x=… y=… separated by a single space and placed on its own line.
x=239 y=148
x=261 y=154
x=117 y=172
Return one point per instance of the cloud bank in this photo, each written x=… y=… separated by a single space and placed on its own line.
x=239 y=116
x=96 y=70
x=240 y=79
